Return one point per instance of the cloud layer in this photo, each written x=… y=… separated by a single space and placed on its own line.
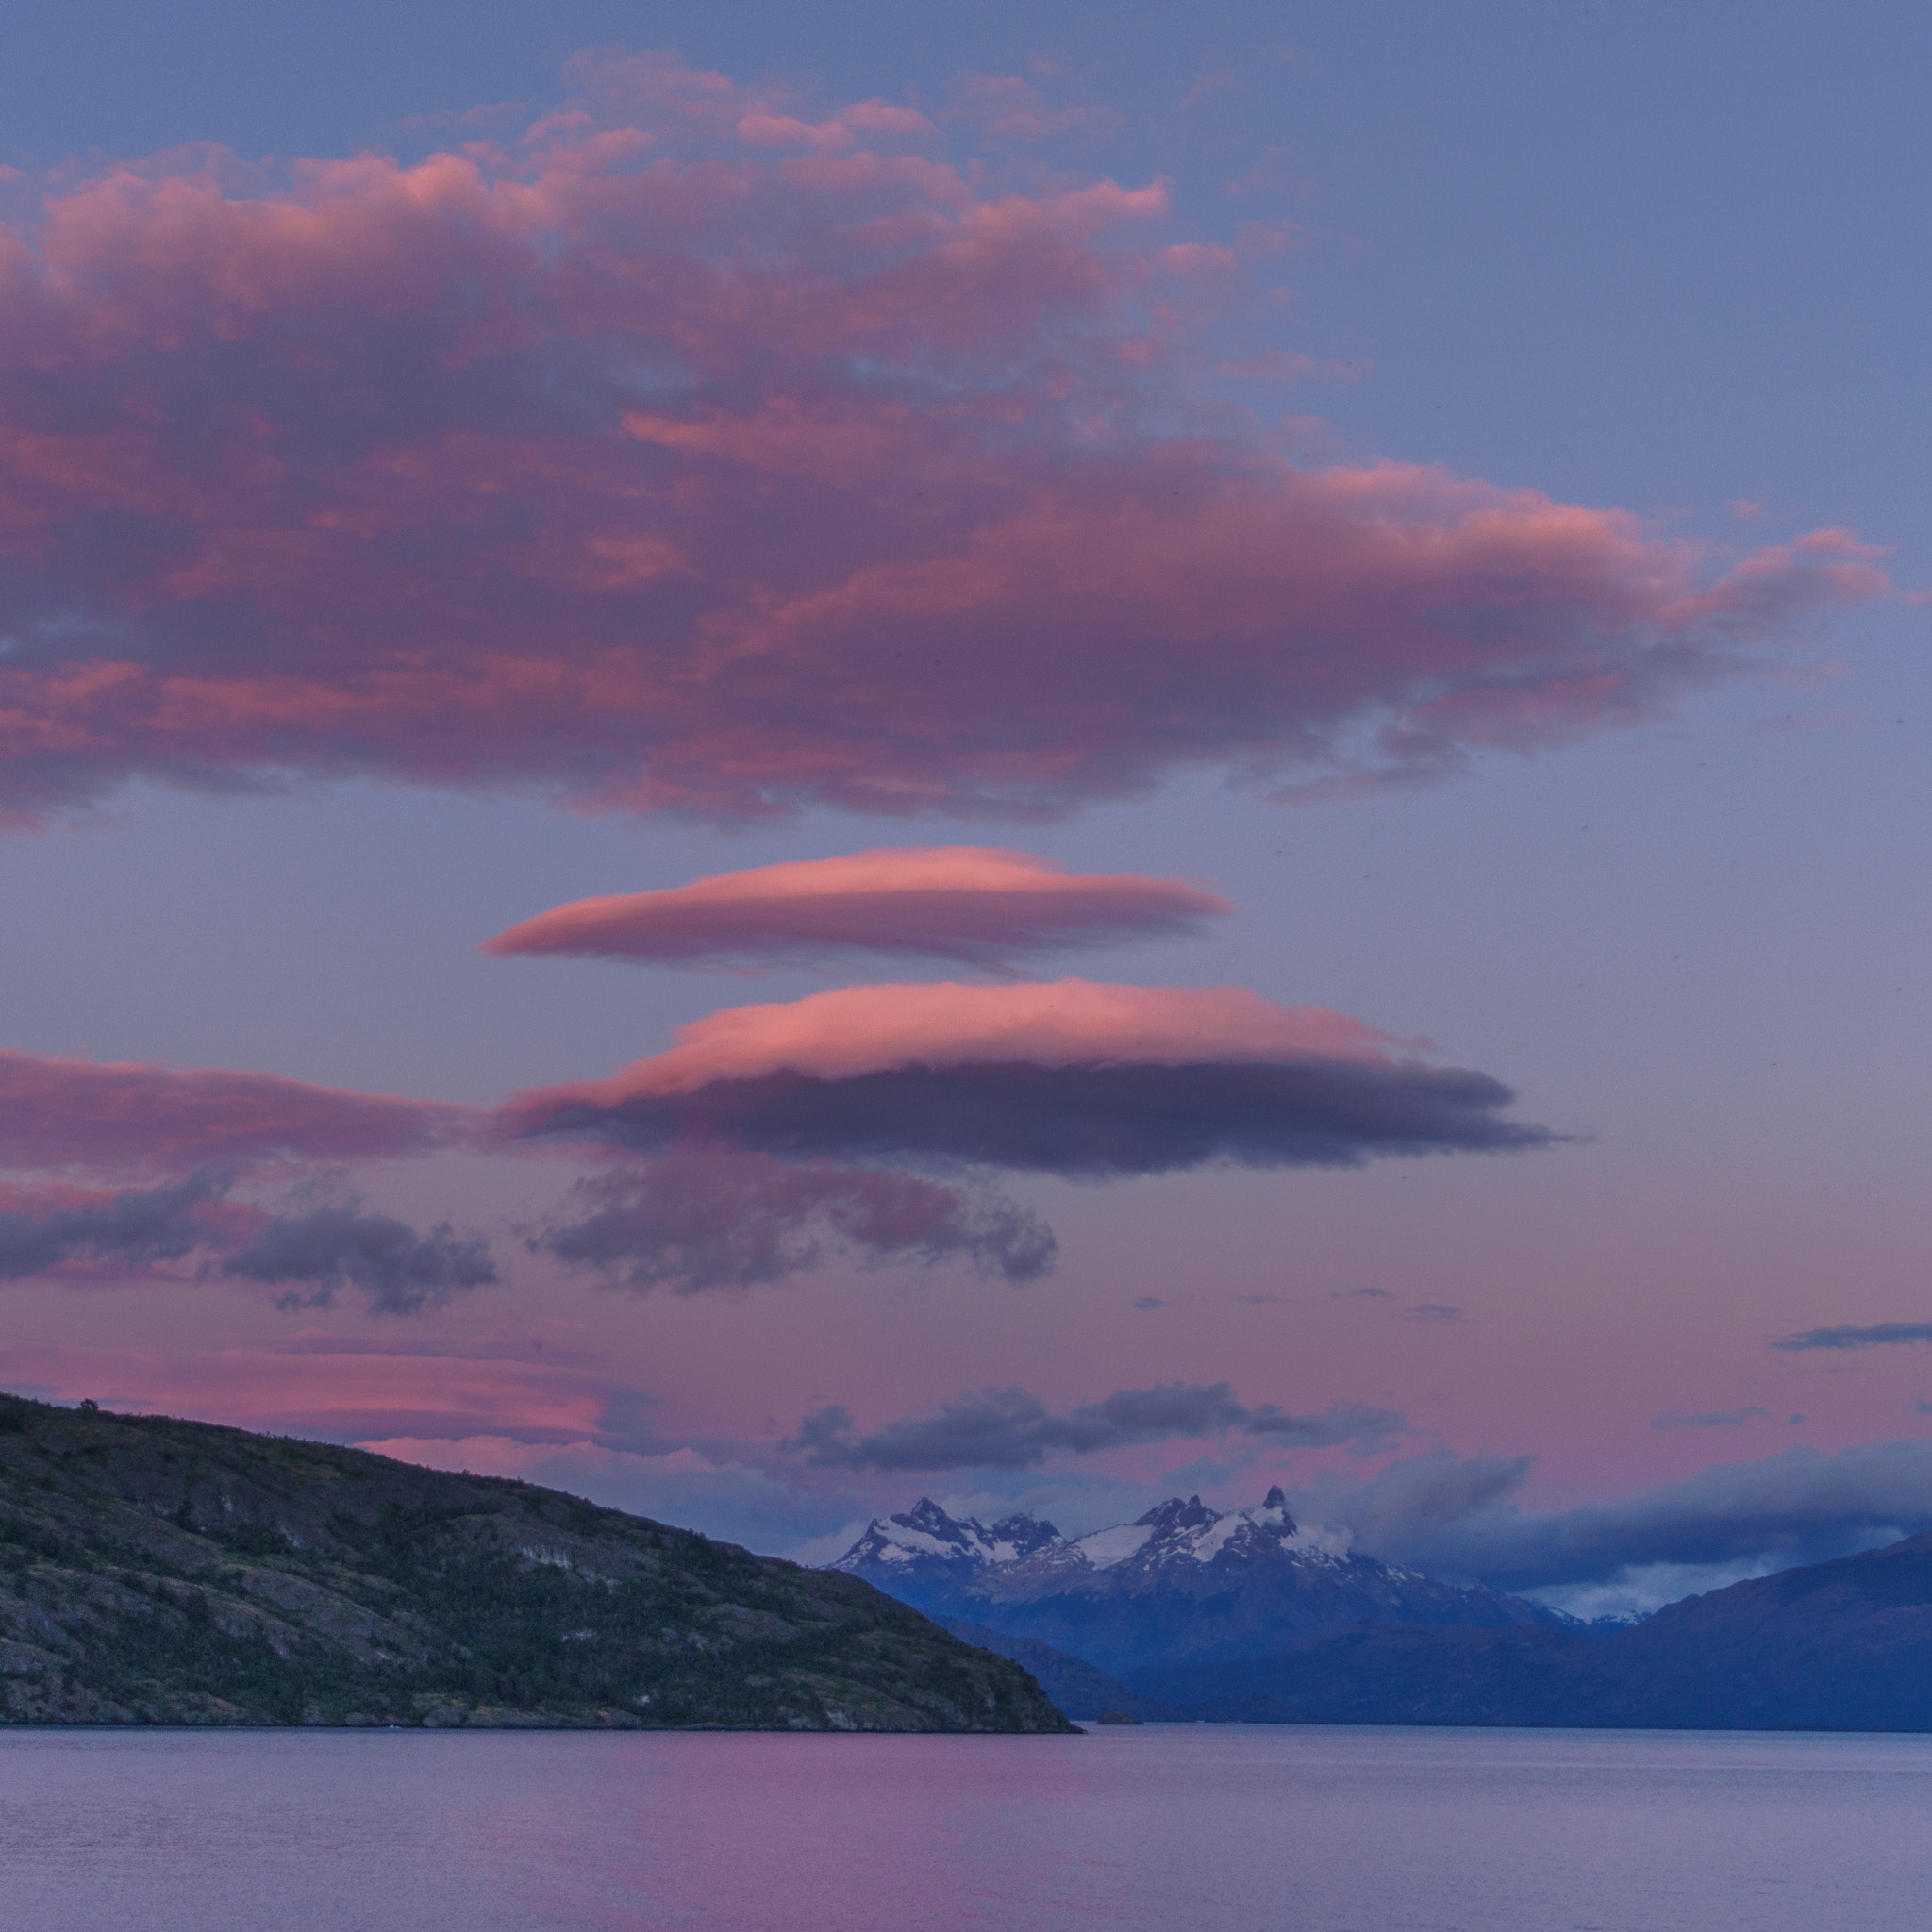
x=970 y=904
x=684 y=451
x=75 y=1125
x=1072 y=1077
x=1010 y=1428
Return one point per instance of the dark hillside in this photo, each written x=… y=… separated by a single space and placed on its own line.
x=1844 y=1645
x=1073 y=1685
x=162 y=1571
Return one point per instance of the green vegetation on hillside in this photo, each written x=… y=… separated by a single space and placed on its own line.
x=163 y=1572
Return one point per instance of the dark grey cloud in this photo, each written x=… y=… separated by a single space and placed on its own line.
x=1092 y=1122
x=135 y=1228
x=1146 y=1303
x=398 y=1271
x=1880 y=1335
x=1431 y=1311
x=1708 y=1419
x=1010 y=1428
x=1457 y=1517
x=694 y=1220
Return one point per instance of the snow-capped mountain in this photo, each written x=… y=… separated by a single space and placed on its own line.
x=1182 y=1584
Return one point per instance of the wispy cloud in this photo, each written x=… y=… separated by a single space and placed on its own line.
x=1878 y=1335
x=1709 y=1419
x=97 y=1118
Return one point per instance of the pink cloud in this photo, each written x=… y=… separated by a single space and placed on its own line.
x=90 y=1117
x=1063 y=1023
x=972 y=904
x=688 y=452
x=343 y=1388
x=1074 y=1079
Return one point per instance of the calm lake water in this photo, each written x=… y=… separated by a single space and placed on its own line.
x=1162 y=1827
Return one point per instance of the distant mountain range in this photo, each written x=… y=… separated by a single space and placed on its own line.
x=1182 y=1586
x=1845 y=1645
x=1241 y=1616
x=162 y=1571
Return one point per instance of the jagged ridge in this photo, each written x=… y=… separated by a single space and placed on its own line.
x=1184 y=1584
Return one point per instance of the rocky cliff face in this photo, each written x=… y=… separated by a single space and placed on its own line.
x=163 y=1572
x=1184 y=1584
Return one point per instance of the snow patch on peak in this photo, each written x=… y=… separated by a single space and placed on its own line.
x=902 y=1542
x=1210 y=1543
x=1107 y=1547
x=927 y=1530
x=1329 y=1541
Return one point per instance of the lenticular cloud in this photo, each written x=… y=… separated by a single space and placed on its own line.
x=970 y=904
x=1087 y=1080
x=687 y=453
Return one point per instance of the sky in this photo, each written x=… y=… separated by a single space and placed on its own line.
x=768 y=760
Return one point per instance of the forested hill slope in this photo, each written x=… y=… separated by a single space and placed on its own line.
x=163 y=1572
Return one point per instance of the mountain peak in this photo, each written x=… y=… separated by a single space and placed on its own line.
x=1025 y=1533
x=1273 y=1515
x=1138 y=1594
x=1165 y=1518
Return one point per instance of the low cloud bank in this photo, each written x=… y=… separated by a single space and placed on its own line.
x=1010 y=1428
x=1457 y=1517
x=972 y=905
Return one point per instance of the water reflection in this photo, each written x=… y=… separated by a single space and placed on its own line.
x=1158 y=1828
